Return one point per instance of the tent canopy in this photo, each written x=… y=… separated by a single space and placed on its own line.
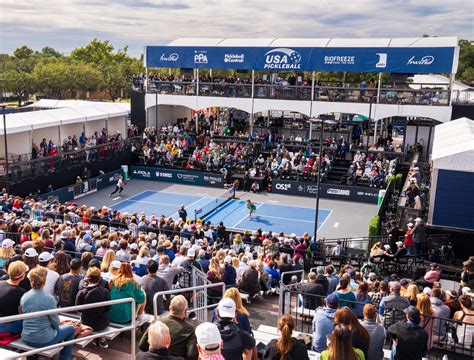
x=453 y=146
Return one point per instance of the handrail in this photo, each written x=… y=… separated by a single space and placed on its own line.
x=78 y=340
x=184 y=290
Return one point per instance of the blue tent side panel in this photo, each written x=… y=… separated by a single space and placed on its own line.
x=454 y=201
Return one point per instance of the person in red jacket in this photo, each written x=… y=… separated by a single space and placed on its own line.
x=408 y=241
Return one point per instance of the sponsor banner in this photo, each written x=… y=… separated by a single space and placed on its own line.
x=375 y=59
x=328 y=191
x=178 y=176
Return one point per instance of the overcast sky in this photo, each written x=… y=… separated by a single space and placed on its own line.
x=67 y=24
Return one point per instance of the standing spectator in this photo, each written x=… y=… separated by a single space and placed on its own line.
x=426 y=311
x=159 y=342
x=67 y=286
x=45 y=330
x=286 y=347
x=182 y=330
x=151 y=284
x=408 y=241
x=360 y=336
x=10 y=296
x=124 y=286
x=440 y=312
x=419 y=236
x=432 y=275
x=376 y=332
x=237 y=343
x=182 y=213
x=312 y=292
x=392 y=306
x=209 y=342
x=340 y=346
x=323 y=323
x=94 y=292
x=409 y=339
x=465 y=318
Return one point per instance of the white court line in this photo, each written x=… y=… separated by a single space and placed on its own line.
x=289 y=219
x=188 y=206
x=246 y=216
x=142 y=192
x=324 y=222
x=116 y=198
x=153 y=203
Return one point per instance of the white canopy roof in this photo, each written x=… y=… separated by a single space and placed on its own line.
x=453 y=146
x=74 y=111
x=430 y=80
x=319 y=42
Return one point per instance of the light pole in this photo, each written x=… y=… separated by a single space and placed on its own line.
x=370 y=115
x=3 y=106
x=321 y=122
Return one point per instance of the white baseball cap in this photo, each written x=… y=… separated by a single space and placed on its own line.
x=115 y=264
x=191 y=252
x=30 y=252
x=228 y=260
x=8 y=243
x=208 y=334
x=226 y=308
x=465 y=290
x=134 y=246
x=427 y=291
x=45 y=256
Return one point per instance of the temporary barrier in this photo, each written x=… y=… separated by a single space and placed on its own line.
x=178 y=176
x=328 y=191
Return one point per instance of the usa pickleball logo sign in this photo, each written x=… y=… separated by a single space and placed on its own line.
x=283 y=59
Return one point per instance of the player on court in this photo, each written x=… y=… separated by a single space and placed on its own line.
x=119 y=187
x=251 y=207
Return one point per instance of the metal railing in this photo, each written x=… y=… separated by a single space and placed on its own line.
x=400 y=94
x=32 y=315
x=199 y=296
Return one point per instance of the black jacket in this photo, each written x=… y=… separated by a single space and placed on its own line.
x=96 y=318
x=299 y=351
x=161 y=354
x=235 y=340
x=412 y=341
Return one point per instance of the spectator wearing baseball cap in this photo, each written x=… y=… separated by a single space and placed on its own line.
x=10 y=296
x=323 y=323
x=44 y=259
x=410 y=340
x=7 y=250
x=236 y=341
x=209 y=342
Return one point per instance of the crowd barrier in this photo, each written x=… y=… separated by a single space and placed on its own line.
x=187 y=177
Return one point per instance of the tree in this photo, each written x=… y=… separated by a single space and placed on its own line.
x=466 y=61
x=22 y=84
x=117 y=68
x=23 y=52
x=49 y=52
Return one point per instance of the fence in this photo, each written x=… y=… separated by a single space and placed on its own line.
x=447 y=335
x=32 y=315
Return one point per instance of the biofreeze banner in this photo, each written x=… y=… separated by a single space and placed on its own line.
x=328 y=191
x=393 y=60
x=178 y=176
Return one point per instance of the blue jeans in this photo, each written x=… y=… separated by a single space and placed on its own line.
x=13 y=327
x=64 y=333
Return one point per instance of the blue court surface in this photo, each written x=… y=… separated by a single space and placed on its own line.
x=234 y=214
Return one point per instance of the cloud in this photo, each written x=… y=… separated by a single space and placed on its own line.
x=67 y=24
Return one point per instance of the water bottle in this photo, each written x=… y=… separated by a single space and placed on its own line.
x=445 y=357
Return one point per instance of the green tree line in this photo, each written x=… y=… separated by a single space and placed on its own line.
x=99 y=67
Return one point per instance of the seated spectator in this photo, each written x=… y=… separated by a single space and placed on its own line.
x=209 y=342
x=229 y=272
x=376 y=332
x=432 y=275
x=10 y=296
x=167 y=272
x=151 y=284
x=426 y=311
x=344 y=294
x=94 y=292
x=322 y=280
x=44 y=260
x=215 y=275
x=412 y=293
x=159 y=342
x=440 y=312
x=181 y=329
x=392 y=306
x=238 y=344
x=255 y=187
x=360 y=336
x=273 y=272
x=323 y=323
x=242 y=315
x=6 y=251
x=377 y=296
x=409 y=339
x=340 y=346
x=362 y=298
x=249 y=283
x=112 y=271
x=286 y=347
x=332 y=277
x=121 y=287
x=465 y=319
x=312 y=292
x=44 y=330
x=67 y=286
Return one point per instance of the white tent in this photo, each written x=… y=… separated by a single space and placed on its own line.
x=460 y=92
x=453 y=146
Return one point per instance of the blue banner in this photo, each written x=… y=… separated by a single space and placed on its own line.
x=392 y=60
x=178 y=176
